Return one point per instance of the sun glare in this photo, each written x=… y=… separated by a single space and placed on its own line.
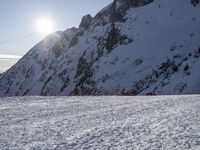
x=45 y=26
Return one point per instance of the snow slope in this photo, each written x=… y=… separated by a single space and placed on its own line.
x=129 y=48
x=161 y=122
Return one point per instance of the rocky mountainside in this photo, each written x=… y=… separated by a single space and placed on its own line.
x=131 y=47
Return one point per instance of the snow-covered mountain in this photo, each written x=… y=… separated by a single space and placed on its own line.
x=130 y=47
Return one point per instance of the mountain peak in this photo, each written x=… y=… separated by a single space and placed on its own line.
x=115 y=11
x=86 y=22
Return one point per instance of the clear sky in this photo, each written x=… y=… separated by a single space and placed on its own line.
x=18 y=21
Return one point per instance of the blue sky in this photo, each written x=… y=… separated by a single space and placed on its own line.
x=19 y=17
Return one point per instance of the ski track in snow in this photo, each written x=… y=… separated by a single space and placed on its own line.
x=160 y=122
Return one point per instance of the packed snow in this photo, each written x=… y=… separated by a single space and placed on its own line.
x=160 y=122
x=153 y=49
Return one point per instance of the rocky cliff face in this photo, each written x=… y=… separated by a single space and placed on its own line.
x=131 y=47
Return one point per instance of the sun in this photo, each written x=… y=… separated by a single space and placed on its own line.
x=45 y=26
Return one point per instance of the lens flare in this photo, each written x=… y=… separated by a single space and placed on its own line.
x=45 y=26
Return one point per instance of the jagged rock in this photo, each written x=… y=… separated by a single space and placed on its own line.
x=86 y=22
x=195 y=2
x=117 y=10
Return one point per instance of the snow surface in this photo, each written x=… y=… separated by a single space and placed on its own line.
x=156 y=51
x=161 y=122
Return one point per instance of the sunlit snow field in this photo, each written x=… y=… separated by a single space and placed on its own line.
x=161 y=122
